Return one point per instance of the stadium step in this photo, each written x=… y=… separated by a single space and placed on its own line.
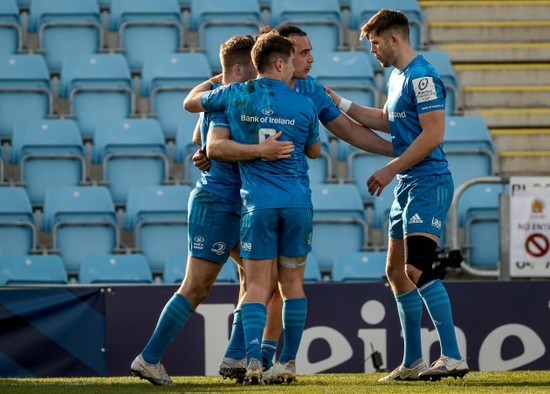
x=532 y=96
x=513 y=117
x=497 y=52
x=524 y=162
x=443 y=32
x=508 y=74
x=476 y=10
x=521 y=138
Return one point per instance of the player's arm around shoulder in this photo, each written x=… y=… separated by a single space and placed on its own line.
x=193 y=101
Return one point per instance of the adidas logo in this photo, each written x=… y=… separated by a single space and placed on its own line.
x=415 y=219
x=255 y=341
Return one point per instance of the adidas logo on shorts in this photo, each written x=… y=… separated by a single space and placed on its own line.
x=415 y=219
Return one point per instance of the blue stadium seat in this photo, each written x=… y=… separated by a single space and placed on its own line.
x=321 y=169
x=25 y=91
x=11 y=31
x=359 y=266
x=48 y=153
x=166 y=80
x=18 y=235
x=312 y=273
x=98 y=87
x=81 y=221
x=216 y=21
x=228 y=273
x=174 y=268
x=348 y=73
x=157 y=218
x=467 y=132
x=66 y=28
x=338 y=222
x=114 y=268
x=468 y=164
x=130 y=152
x=145 y=28
x=482 y=241
x=184 y=149
x=32 y=269
x=320 y=19
x=362 y=10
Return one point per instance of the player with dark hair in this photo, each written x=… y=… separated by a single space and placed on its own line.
x=414 y=115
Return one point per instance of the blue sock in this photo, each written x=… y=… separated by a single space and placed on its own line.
x=409 y=306
x=294 y=320
x=254 y=315
x=235 y=348
x=269 y=347
x=175 y=314
x=439 y=306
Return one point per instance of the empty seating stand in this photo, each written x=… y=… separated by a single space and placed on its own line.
x=114 y=268
x=145 y=28
x=359 y=266
x=25 y=91
x=157 y=218
x=338 y=222
x=66 y=28
x=81 y=221
x=130 y=153
x=320 y=19
x=11 y=31
x=18 y=234
x=216 y=21
x=165 y=80
x=97 y=87
x=48 y=153
x=32 y=270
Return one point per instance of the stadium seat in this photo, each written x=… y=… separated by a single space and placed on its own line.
x=348 y=73
x=130 y=152
x=320 y=19
x=145 y=28
x=98 y=87
x=312 y=273
x=166 y=80
x=48 y=153
x=362 y=10
x=66 y=28
x=228 y=273
x=18 y=235
x=359 y=266
x=467 y=132
x=338 y=222
x=11 y=31
x=81 y=221
x=321 y=169
x=184 y=149
x=25 y=91
x=32 y=269
x=174 y=268
x=157 y=218
x=216 y=21
x=482 y=242
x=468 y=164
x=114 y=268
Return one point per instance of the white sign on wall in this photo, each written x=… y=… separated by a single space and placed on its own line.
x=530 y=227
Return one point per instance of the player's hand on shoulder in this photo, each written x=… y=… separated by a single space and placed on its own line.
x=273 y=149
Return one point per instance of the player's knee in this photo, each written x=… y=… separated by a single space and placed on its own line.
x=420 y=253
x=292 y=262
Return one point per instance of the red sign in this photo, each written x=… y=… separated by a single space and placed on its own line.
x=537 y=245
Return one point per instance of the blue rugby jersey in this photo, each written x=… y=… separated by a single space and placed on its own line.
x=256 y=110
x=327 y=110
x=416 y=90
x=222 y=179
